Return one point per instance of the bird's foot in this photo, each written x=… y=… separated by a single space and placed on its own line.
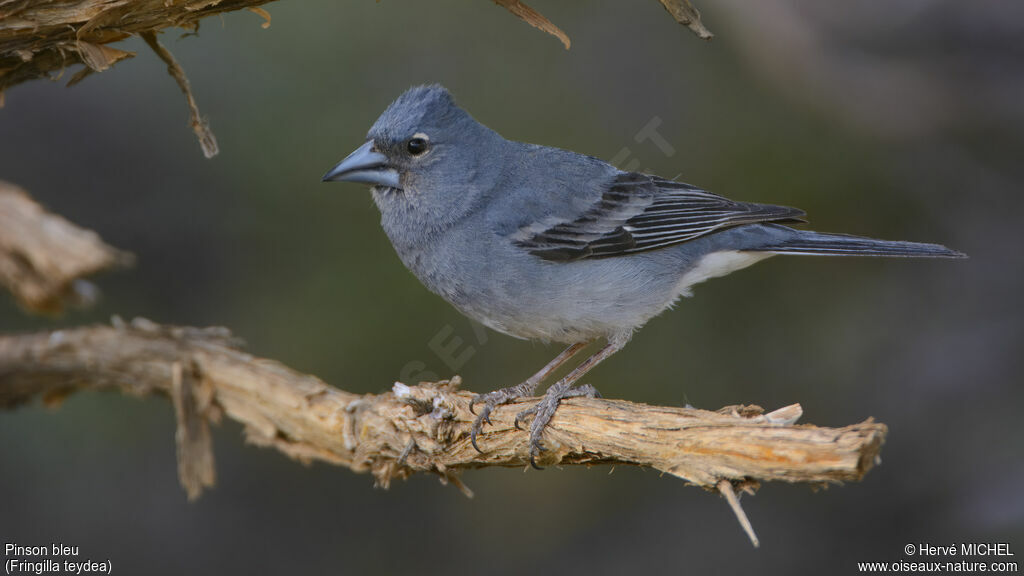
x=491 y=400
x=545 y=409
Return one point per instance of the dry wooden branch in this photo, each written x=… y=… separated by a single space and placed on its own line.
x=411 y=429
x=207 y=141
x=535 y=19
x=42 y=37
x=685 y=13
x=39 y=38
x=43 y=257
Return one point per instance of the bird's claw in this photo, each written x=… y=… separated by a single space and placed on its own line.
x=490 y=401
x=541 y=411
x=478 y=424
x=544 y=410
x=534 y=450
x=522 y=416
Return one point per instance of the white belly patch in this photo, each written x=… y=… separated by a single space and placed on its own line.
x=718 y=264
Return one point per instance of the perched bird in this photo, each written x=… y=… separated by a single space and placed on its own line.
x=547 y=244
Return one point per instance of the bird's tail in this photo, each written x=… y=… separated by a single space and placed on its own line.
x=818 y=244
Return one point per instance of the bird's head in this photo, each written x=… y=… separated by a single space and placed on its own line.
x=427 y=159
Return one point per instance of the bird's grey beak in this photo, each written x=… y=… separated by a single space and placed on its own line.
x=364 y=165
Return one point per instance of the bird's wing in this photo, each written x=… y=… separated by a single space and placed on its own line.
x=641 y=212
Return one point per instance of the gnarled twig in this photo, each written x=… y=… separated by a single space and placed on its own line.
x=43 y=257
x=39 y=38
x=421 y=428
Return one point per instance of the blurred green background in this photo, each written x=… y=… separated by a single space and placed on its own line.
x=903 y=123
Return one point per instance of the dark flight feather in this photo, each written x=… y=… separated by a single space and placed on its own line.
x=641 y=212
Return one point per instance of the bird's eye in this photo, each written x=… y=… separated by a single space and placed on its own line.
x=417 y=145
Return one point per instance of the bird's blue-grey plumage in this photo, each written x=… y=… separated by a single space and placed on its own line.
x=543 y=243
